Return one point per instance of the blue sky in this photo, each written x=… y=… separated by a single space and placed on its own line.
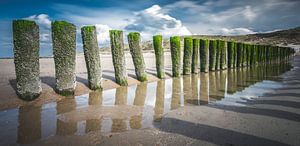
x=167 y=17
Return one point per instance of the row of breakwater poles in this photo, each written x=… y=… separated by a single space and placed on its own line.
x=208 y=55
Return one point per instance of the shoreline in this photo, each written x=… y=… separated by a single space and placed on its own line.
x=9 y=98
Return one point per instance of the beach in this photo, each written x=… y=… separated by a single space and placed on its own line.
x=9 y=97
x=247 y=106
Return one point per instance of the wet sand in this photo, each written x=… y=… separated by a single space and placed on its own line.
x=248 y=106
x=9 y=99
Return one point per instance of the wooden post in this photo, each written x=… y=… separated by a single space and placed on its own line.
x=118 y=56
x=187 y=55
x=195 y=56
x=159 y=56
x=92 y=56
x=137 y=56
x=212 y=54
x=176 y=55
x=26 y=59
x=64 y=50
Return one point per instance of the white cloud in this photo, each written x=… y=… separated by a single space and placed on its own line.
x=209 y=17
x=249 y=13
x=42 y=20
x=153 y=21
x=236 y=31
x=103 y=34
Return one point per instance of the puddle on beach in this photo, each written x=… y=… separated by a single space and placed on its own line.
x=136 y=107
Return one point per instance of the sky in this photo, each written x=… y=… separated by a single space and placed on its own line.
x=149 y=17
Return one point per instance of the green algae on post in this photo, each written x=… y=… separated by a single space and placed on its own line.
x=234 y=55
x=244 y=58
x=175 y=55
x=118 y=56
x=92 y=56
x=137 y=56
x=26 y=59
x=223 y=54
x=195 y=56
x=204 y=55
x=212 y=54
x=239 y=54
x=230 y=51
x=187 y=55
x=159 y=56
x=218 y=54
x=64 y=53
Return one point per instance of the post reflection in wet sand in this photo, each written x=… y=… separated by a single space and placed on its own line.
x=148 y=103
x=29 y=129
x=187 y=89
x=176 y=93
x=64 y=106
x=139 y=100
x=119 y=125
x=159 y=103
x=204 y=88
x=95 y=98
x=195 y=89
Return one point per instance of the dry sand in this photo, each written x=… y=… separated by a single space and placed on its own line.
x=9 y=99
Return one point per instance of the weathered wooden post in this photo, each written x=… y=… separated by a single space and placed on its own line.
x=204 y=55
x=187 y=55
x=223 y=54
x=239 y=54
x=256 y=54
x=253 y=54
x=176 y=55
x=212 y=54
x=248 y=49
x=64 y=50
x=235 y=55
x=218 y=55
x=118 y=56
x=195 y=56
x=230 y=51
x=137 y=56
x=26 y=58
x=92 y=56
x=244 y=55
x=159 y=56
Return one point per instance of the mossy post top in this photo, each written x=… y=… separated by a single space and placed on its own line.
x=114 y=31
x=196 y=41
x=135 y=36
x=88 y=28
x=23 y=23
x=60 y=24
x=159 y=36
x=175 y=38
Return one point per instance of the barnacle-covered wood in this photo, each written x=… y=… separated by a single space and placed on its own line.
x=64 y=51
x=195 y=56
x=92 y=56
x=26 y=58
x=137 y=56
x=223 y=54
x=175 y=55
x=187 y=55
x=204 y=55
x=212 y=54
x=159 y=56
x=118 y=56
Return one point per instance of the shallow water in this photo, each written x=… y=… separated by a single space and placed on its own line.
x=136 y=107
